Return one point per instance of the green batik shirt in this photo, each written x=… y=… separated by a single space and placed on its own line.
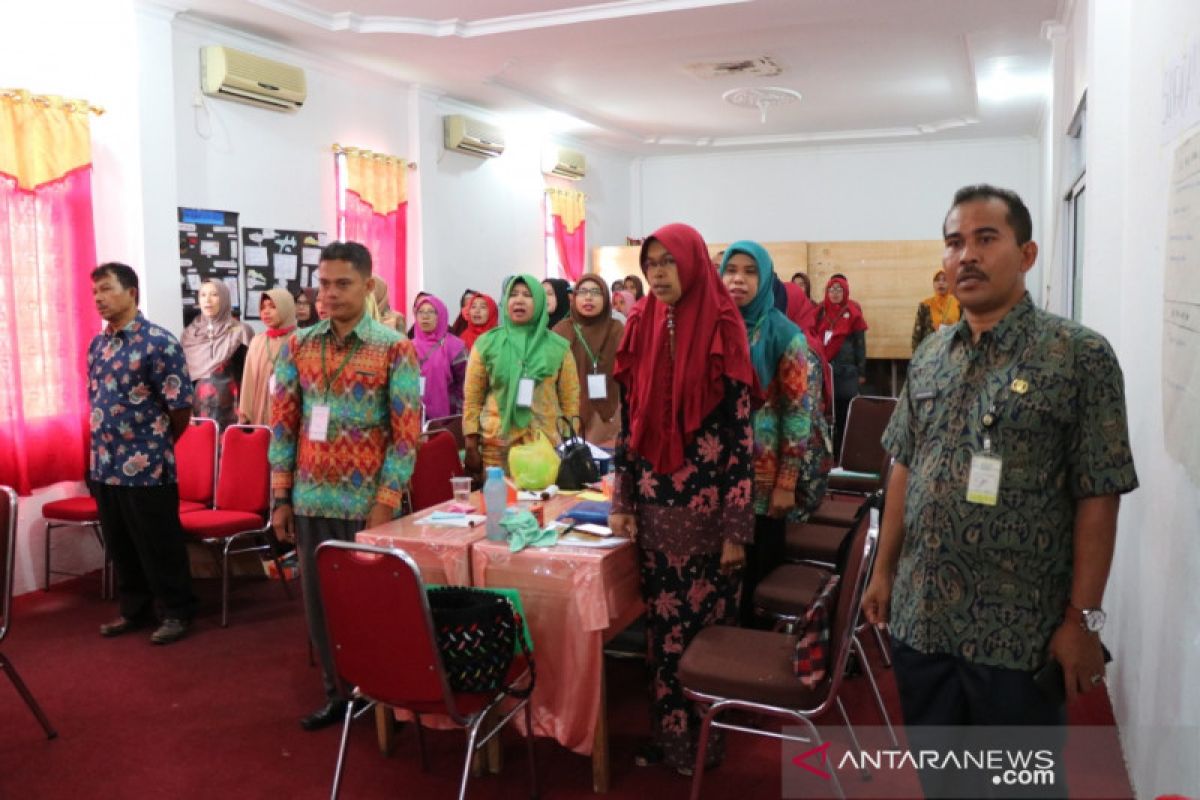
x=990 y=583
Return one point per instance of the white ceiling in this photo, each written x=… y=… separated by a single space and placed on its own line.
x=868 y=70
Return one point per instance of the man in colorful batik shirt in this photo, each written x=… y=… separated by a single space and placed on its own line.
x=141 y=399
x=345 y=419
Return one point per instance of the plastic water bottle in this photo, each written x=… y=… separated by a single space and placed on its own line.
x=495 y=496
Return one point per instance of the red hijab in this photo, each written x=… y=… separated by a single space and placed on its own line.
x=474 y=331
x=839 y=320
x=710 y=344
x=800 y=308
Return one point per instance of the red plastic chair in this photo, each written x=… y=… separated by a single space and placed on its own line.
x=385 y=649
x=196 y=465
x=75 y=512
x=453 y=424
x=437 y=462
x=8 y=542
x=242 y=511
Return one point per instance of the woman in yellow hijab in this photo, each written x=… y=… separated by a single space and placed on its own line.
x=934 y=312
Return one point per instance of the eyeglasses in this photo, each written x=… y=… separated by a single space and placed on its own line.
x=427 y=312
x=667 y=261
x=590 y=292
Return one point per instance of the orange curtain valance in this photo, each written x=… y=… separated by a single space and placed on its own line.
x=569 y=206
x=55 y=132
x=381 y=181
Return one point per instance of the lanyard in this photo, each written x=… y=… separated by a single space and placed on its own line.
x=991 y=413
x=331 y=379
x=429 y=355
x=583 y=341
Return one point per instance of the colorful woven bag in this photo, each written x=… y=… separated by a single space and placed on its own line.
x=477 y=634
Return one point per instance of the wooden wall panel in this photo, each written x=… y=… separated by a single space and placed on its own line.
x=888 y=279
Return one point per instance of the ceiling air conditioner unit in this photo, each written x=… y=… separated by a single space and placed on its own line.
x=234 y=75
x=564 y=163
x=471 y=136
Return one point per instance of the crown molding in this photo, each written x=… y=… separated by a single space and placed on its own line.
x=418 y=26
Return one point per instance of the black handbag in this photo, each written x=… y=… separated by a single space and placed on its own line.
x=477 y=634
x=577 y=467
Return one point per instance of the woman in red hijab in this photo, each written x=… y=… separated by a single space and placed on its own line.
x=482 y=314
x=842 y=329
x=684 y=467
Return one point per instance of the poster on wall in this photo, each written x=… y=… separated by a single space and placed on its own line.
x=208 y=250
x=277 y=258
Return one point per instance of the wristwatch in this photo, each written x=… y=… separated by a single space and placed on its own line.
x=1090 y=619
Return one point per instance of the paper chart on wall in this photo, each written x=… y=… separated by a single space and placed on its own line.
x=276 y=254
x=208 y=250
x=1181 y=312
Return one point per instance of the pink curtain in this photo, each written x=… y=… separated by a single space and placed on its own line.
x=572 y=248
x=47 y=319
x=386 y=236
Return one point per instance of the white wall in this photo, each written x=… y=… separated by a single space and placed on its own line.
x=1154 y=609
x=829 y=193
x=482 y=219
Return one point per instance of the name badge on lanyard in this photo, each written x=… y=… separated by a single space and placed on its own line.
x=422 y=386
x=318 y=424
x=983 y=482
x=525 y=393
x=597 y=386
x=271 y=385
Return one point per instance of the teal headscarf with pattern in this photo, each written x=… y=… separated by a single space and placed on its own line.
x=768 y=329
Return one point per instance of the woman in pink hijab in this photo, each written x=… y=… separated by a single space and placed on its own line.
x=443 y=358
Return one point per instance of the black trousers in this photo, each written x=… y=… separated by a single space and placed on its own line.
x=765 y=554
x=944 y=690
x=147 y=545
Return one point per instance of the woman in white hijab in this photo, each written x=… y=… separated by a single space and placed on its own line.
x=215 y=348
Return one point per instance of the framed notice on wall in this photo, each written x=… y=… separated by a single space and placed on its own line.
x=208 y=250
x=277 y=258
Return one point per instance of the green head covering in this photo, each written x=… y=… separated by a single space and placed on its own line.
x=768 y=329
x=511 y=352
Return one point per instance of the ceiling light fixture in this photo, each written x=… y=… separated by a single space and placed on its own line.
x=764 y=99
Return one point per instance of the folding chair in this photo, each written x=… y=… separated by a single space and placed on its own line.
x=196 y=465
x=75 y=512
x=452 y=424
x=862 y=446
x=385 y=650
x=243 y=501
x=8 y=545
x=727 y=668
x=436 y=463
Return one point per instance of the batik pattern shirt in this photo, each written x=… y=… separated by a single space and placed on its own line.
x=782 y=426
x=135 y=376
x=990 y=583
x=371 y=383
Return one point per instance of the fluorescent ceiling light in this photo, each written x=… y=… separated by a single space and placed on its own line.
x=1001 y=86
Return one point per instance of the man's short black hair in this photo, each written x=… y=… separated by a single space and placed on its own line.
x=122 y=272
x=353 y=252
x=1018 y=217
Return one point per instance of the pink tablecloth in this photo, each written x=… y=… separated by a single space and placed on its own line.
x=574 y=598
x=443 y=554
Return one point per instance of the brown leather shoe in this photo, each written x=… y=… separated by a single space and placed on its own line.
x=119 y=626
x=171 y=630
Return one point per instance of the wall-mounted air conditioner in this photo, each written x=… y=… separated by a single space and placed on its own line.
x=234 y=75
x=564 y=163
x=473 y=137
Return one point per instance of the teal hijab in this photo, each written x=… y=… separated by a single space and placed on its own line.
x=511 y=352
x=768 y=329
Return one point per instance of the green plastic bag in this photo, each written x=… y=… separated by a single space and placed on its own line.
x=533 y=466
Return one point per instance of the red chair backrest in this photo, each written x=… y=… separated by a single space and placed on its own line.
x=380 y=629
x=196 y=461
x=8 y=536
x=437 y=462
x=244 y=483
x=862 y=448
x=453 y=424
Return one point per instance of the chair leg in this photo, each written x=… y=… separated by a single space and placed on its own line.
x=702 y=749
x=866 y=774
x=104 y=593
x=341 y=759
x=472 y=734
x=885 y=652
x=27 y=696
x=534 y=789
x=421 y=742
x=225 y=586
x=46 y=559
x=837 y=783
x=875 y=688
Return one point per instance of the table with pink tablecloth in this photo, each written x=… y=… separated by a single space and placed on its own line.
x=575 y=598
x=442 y=553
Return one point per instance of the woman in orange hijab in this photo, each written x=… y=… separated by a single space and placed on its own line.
x=937 y=311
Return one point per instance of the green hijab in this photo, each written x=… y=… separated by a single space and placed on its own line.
x=768 y=329
x=511 y=352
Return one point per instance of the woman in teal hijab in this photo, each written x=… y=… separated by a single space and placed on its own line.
x=521 y=378
x=783 y=424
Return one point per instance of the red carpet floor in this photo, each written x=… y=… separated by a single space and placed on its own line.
x=215 y=716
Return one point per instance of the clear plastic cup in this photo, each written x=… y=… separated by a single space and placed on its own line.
x=462 y=489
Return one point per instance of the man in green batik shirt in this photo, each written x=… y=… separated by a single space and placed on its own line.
x=1012 y=451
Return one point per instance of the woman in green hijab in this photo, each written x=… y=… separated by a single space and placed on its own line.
x=521 y=378
x=783 y=424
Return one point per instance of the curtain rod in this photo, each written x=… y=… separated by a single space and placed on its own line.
x=51 y=101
